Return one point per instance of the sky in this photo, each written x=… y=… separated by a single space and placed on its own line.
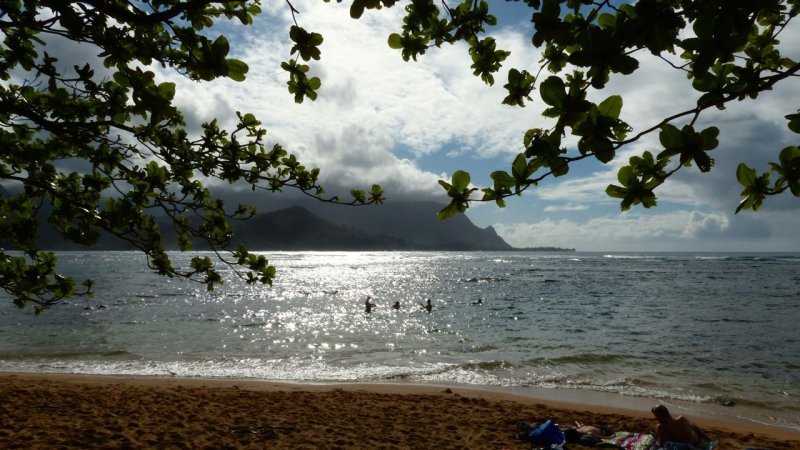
x=406 y=125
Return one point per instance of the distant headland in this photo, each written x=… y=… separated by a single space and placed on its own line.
x=403 y=226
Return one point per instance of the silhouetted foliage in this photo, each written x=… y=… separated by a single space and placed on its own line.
x=728 y=49
x=112 y=118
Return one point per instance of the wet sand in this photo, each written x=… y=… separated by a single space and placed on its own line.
x=77 y=411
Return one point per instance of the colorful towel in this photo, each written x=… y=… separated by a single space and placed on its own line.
x=632 y=441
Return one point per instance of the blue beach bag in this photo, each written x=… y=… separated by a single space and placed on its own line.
x=547 y=433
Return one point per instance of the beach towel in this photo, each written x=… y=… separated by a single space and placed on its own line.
x=632 y=441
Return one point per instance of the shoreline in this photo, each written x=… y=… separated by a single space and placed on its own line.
x=596 y=401
x=144 y=407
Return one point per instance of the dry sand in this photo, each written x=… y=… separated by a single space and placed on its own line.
x=65 y=411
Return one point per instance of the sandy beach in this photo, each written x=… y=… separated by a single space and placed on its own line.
x=68 y=411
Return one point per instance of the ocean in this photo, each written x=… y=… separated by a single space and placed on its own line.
x=717 y=331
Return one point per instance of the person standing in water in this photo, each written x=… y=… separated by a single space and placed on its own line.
x=427 y=306
x=368 y=305
x=396 y=306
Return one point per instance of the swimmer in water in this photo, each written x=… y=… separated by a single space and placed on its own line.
x=427 y=306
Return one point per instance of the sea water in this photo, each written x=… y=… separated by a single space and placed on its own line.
x=713 y=329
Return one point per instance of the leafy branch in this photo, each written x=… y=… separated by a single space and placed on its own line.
x=731 y=54
x=139 y=169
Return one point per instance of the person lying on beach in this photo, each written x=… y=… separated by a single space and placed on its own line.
x=678 y=429
x=368 y=305
x=587 y=434
x=596 y=431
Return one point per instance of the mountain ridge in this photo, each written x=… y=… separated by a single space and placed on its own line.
x=399 y=226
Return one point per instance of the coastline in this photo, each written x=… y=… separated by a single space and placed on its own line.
x=43 y=409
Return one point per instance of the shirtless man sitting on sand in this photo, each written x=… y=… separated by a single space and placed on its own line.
x=678 y=429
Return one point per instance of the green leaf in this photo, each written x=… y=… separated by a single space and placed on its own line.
x=603 y=150
x=460 y=180
x=236 y=69
x=745 y=175
x=553 y=92
x=519 y=168
x=794 y=122
x=220 y=48
x=627 y=176
x=250 y=120
x=519 y=86
x=606 y=20
x=559 y=166
x=789 y=155
x=357 y=8
x=448 y=211
x=167 y=90
x=530 y=136
x=709 y=136
x=626 y=203
x=502 y=179
x=789 y=169
x=306 y=44
x=122 y=79
x=395 y=41
x=359 y=196
x=670 y=137
x=746 y=203
x=376 y=194
x=611 y=107
x=616 y=191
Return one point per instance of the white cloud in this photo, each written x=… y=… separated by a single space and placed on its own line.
x=591 y=189
x=352 y=152
x=434 y=105
x=381 y=120
x=672 y=231
x=404 y=125
x=700 y=224
x=624 y=231
x=579 y=189
x=566 y=207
